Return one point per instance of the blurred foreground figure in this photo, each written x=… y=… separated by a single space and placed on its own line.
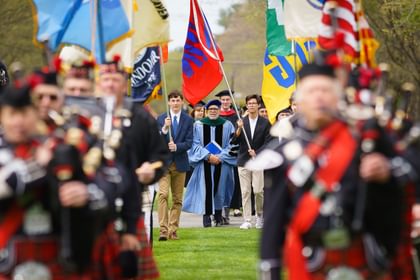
x=45 y=205
x=333 y=207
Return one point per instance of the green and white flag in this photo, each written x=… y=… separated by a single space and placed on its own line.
x=277 y=43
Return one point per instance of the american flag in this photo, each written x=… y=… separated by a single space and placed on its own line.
x=344 y=26
x=338 y=27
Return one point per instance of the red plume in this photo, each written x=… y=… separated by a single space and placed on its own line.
x=366 y=76
x=89 y=63
x=57 y=64
x=33 y=80
x=116 y=58
x=333 y=60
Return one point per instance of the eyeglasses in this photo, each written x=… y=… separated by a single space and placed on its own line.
x=212 y=109
x=52 y=97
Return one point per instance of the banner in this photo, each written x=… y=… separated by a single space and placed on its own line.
x=279 y=77
x=149 y=21
x=151 y=24
x=200 y=61
x=145 y=78
x=368 y=44
x=277 y=44
x=71 y=22
x=302 y=18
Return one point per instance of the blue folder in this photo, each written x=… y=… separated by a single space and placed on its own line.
x=213 y=148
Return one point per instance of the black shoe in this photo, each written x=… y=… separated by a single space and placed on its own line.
x=225 y=221
x=218 y=219
x=163 y=237
x=206 y=221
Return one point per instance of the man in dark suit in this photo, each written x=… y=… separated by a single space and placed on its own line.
x=258 y=132
x=179 y=140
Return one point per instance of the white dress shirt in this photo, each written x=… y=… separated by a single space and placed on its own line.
x=252 y=125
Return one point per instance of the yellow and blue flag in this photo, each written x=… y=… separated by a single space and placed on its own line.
x=80 y=22
x=279 y=77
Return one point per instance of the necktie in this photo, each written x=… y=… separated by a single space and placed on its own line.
x=175 y=125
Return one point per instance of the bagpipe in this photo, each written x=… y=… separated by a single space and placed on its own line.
x=86 y=135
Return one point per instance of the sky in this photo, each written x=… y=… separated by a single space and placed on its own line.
x=179 y=13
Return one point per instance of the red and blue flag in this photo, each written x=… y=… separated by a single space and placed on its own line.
x=201 y=71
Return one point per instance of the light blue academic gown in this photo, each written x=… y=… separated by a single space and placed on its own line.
x=195 y=195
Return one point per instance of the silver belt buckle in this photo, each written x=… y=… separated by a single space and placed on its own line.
x=37 y=221
x=31 y=271
x=343 y=273
x=338 y=238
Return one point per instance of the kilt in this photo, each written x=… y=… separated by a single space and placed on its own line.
x=44 y=250
x=106 y=252
x=402 y=266
x=352 y=257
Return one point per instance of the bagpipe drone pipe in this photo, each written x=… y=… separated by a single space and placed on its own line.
x=85 y=142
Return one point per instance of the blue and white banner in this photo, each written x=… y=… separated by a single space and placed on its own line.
x=145 y=79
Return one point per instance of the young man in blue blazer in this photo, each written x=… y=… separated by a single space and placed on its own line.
x=179 y=140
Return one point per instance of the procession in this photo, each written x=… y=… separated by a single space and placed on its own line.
x=125 y=157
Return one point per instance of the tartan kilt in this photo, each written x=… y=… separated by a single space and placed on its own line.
x=107 y=249
x=402 y=266
x=42 y=250
x=352 y=257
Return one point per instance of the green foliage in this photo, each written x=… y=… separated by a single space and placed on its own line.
x=16 y=34
x=226 y=15
x=211 y=253
x=397 y=27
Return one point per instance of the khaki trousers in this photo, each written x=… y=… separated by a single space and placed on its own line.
x=173 y=180
x=254 y=179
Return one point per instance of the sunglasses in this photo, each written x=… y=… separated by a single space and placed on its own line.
x=52 y=97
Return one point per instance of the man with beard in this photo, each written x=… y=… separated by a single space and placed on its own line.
x=210 y=156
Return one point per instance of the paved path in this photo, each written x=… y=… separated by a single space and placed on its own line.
x=189 y=220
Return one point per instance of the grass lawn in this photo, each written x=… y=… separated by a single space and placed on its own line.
x=211 y=253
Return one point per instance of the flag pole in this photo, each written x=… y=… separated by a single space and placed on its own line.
x=295 y=61
x=165 y=92
x=225 y=78
x=308 y=47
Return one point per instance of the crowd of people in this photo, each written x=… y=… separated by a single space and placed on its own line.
x=72 y=168
x=80 y=154
x=332 y=184
x=209 y=151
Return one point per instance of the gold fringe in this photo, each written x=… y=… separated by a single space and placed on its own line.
x=124 y=36
x=153 y=44
x=36 y=27
x=135 y=6
x=155 y=94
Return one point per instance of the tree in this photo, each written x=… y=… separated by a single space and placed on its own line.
x=16 y=34
x=397 y=26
